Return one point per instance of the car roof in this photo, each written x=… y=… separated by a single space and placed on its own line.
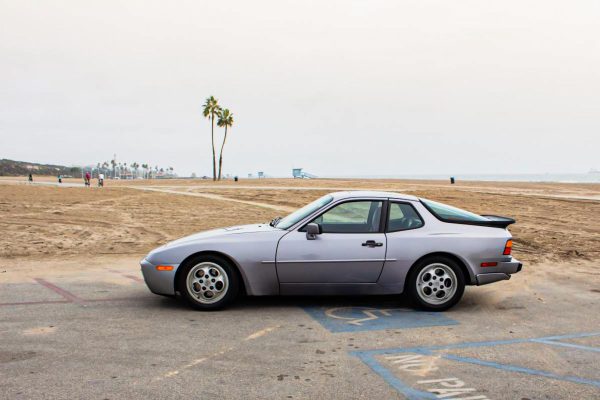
x=372 y=193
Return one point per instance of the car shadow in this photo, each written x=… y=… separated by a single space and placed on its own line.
x=471 y=302
x=381 y=301
x=266 y=302
x=272 y=302
x=251 y=303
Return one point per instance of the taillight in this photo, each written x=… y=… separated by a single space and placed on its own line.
x=489 y=264
x=507 y=248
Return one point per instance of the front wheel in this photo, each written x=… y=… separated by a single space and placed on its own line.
x=208 y=283
x=436 y=284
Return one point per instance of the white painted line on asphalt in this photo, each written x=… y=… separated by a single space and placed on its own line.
x=197 y=361
x=260 y=333
x=41 y=330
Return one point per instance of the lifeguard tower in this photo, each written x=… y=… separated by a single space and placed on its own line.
x=298 y=173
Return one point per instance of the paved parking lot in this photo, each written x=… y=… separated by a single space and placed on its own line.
x=97 y=333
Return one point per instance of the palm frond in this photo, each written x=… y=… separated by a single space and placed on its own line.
x=210 y=107
x=225 y=118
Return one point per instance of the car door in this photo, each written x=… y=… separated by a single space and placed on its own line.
x=350 y=249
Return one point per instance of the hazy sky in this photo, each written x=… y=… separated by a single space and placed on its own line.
x=337 y=87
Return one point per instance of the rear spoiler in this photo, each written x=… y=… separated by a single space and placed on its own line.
x=495 y=221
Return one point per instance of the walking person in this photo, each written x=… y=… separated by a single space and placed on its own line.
x=100 y=180
x=87 y=178
x=59 y=178
x=30 y=179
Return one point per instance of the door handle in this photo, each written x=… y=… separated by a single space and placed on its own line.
x=372 y=243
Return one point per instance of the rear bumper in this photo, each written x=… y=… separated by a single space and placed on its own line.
x=159 y=282
x=502 y=272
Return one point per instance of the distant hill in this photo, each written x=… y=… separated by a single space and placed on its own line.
x=20 y=168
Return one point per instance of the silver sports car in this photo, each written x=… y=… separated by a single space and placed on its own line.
x=345 y=243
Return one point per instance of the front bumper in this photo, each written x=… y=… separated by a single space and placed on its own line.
x=501 y=272
x=159 y=282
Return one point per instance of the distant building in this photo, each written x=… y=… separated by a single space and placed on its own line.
x=298 y=173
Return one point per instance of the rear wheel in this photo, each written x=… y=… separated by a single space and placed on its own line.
x=208 y=282
x=436 y=284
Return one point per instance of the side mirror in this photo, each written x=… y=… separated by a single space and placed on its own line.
x=312 y=230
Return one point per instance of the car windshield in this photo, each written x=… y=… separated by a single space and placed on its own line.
x=303 y=212
x=449 y=213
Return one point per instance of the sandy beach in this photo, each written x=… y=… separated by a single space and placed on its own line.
x=555 y=222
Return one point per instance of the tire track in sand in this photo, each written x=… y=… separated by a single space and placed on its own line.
x=217 y=197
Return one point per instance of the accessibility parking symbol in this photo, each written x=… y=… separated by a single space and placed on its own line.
x=356 y=319
x=563 y=366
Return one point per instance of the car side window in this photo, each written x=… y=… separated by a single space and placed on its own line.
x=351 y=217
x=403 y=216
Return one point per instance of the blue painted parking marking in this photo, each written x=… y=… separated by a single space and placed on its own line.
x=414 y=359
x=571 y=345
x=356 y=319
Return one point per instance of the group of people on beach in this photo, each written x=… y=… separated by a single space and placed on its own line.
x=87 y=178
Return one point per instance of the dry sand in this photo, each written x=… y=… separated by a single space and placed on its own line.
x=39 y=221
x=555 y=222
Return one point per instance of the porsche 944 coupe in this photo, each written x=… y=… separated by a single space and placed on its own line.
x=344 y=243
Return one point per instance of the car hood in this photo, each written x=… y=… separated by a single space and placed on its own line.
x=216 y=233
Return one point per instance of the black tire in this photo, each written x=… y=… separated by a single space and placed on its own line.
x=232 y=287
x=435 y=304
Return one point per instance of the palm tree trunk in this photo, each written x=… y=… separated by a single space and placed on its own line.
x=221 y=154
x=212 y=132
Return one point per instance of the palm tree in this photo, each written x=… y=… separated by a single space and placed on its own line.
x=225 y=121
x=135 y=167
x=211 y=108
x=125 y=170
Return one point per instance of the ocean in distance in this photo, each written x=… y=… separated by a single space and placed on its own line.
x=590 y=177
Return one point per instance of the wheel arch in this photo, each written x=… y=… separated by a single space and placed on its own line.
x=469 y=276
x=226 y=257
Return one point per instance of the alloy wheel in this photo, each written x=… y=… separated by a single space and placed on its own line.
x=436 y=283
x=207 y=282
